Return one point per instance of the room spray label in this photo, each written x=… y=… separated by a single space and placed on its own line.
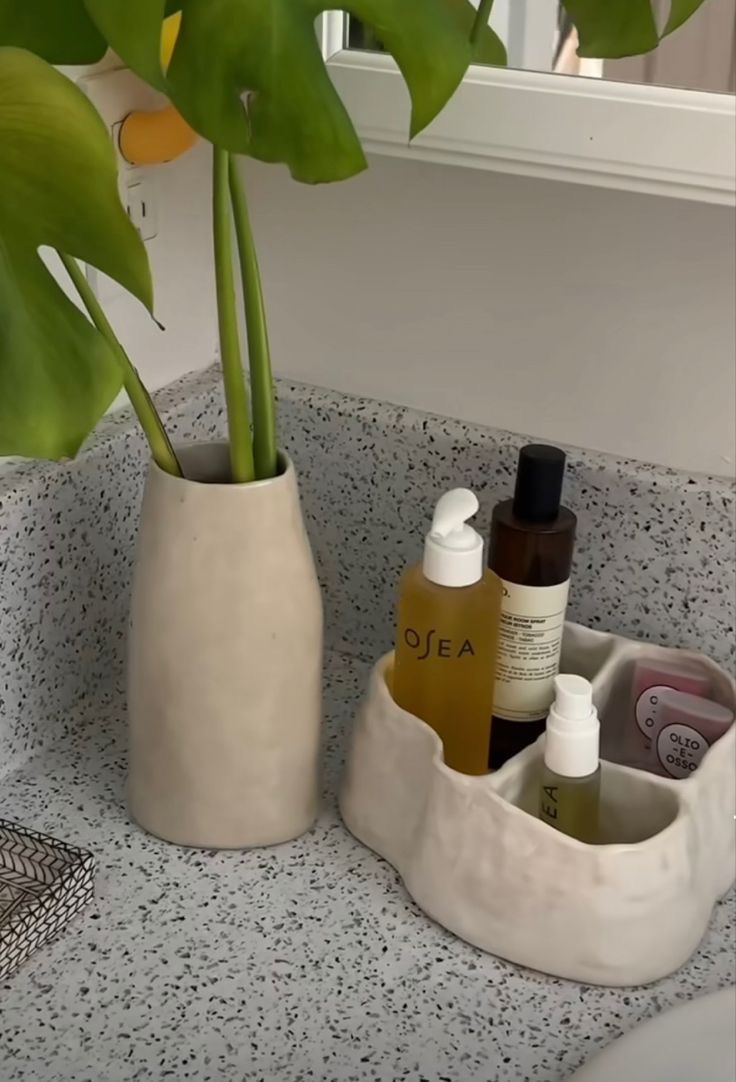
x=530 y=641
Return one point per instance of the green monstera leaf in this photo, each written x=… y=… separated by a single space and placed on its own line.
x=269 y=52
x=133 y=29
x=60 y=31
x=58 y=187
x=80 y=31
x=488 y=48
x=680 y=12
x=608 y=29
x=294 y=115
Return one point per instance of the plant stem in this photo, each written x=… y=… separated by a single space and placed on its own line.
x=236 y=394
x=481 y=19
x=161 y=449
x=259 y=354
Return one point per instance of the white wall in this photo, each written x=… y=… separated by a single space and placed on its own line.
x=184 y=289
x=601 y=319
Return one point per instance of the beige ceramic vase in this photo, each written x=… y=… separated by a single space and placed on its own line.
x=225 y=659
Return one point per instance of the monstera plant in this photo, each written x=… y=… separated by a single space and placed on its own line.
x=247 y=75
x=57 y=372
x=58 y=189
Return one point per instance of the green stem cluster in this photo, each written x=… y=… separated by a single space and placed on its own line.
x=259 y=353
x=252 y=456
x=236 y=394
x=253 y=448
x=159 y=442
x=481 y=19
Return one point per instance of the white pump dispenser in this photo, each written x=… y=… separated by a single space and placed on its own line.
x=573 y=729
x=453 y=551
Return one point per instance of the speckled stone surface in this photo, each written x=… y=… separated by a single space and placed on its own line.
x=304 y=962
x=655 y=548
x=654 y=555
x=308 y=961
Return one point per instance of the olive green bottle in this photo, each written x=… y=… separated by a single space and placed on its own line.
x=569 y=796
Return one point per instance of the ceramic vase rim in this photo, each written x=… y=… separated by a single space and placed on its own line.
x=194 y=446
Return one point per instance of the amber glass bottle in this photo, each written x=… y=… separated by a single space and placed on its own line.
x=447 y=631
x=532 y=540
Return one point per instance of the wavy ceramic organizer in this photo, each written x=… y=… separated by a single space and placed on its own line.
x=626 y=912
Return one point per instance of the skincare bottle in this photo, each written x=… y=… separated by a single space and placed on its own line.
x=532 y=539
x=447 y=628
x=569 y=796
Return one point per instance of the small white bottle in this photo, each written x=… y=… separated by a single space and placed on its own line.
x=569 y=797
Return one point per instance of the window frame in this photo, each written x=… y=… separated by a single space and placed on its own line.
x=652 y=139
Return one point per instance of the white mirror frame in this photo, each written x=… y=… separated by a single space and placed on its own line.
x=654 y=139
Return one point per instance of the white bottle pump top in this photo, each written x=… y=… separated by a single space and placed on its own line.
x=453 y=551
x=571 y=746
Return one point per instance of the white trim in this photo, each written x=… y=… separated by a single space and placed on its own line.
x=331 y=32
x=532 y=33
x=651 y=139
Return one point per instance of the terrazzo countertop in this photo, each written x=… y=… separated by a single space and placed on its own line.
x=653 y=555
x=303 y=962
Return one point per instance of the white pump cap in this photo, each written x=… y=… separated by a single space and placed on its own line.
x=571 y=746
x=453 y=551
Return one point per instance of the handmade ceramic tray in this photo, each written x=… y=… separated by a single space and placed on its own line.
x=474 y=856
x=43 y=884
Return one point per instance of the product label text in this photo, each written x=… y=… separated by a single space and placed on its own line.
x=434 y=645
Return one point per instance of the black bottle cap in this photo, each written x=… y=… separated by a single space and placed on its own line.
x=539 y=483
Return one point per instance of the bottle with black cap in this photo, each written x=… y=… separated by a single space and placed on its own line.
x=532 y=540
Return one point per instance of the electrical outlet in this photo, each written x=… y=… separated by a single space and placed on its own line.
x=115 y=94
x=138 y=196
x=140 y=203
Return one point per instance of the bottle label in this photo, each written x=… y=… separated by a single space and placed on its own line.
x=549 y=803
x=431 y=645
x=530 y=640
x=646 y=711
x=680 y=750
x=571 y=805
